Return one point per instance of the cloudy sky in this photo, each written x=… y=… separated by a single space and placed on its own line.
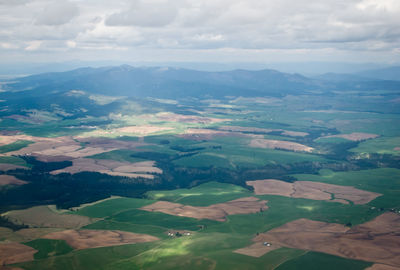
x=200 y=30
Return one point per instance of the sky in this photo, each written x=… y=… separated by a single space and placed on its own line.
x=221 y=31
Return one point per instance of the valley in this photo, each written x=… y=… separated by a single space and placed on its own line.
x=234 y=173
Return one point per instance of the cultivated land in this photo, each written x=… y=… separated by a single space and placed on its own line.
x=11 y=180
x=117 y=183
x=275 y=144
x=83 y=239
x=43 y=216
x=312 y=190
x=142 y=169
x=376 y=241
x=11 y=253
x=215 y=212
x=355 y=136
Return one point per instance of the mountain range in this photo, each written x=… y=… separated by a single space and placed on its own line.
x=166 y=82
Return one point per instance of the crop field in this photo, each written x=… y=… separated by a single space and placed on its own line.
x=202 y=195
x=202 y=185
x=215 y=241
x=382 y=145
x=47 y=248
x=385 y=181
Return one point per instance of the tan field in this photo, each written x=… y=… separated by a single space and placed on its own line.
x=15 y=253
x=215 y=212
x=99 y=238
x=43 y=216
x=378 y=266
x=276 y=144
x=294 y=133
x=41 y=144
x=133 y=170
x=9 y=167
x=4 y=140
x=24 y=235
x=396 y=149
x=375 y=241
x=356 y=136
x=68 y=148
x=128 y=130
x=208 y=134
x=312 y=190
x=247 y=129
x=173 y=117
x=11 y=180
x=257 y=249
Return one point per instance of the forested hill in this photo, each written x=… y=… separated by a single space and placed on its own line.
x=165 y=82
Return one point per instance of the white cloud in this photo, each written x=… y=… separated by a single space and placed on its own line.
x=260 y=26
x=145 y=13
x=57 y=13
x=33 y=45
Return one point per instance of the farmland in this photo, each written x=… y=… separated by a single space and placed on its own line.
x=203 y=184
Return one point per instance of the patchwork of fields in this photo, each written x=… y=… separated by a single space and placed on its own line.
x=235 y=183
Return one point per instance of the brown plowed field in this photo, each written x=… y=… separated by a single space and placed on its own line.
x=99 y=238
x=68 y=148
x=257 y=249
x=43 y=216
x=8 y=167
x=312 y=190
x=374 y=241
x=111 y=167
x=11 y=180
x=15 y=252
x=356 y=136
x=294 y=133
x=378 y=266
x=173 y=117
x=215 y=212
x=276 y=144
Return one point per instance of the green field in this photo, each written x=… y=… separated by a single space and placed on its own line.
x=202 y=195
x=113 y=206
x=381 y=145
x=117 y=155
x=235 y=152
x=14 y=146
x=48 y=248
x=13 y=160
x=314 y=260
x=211 y=168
